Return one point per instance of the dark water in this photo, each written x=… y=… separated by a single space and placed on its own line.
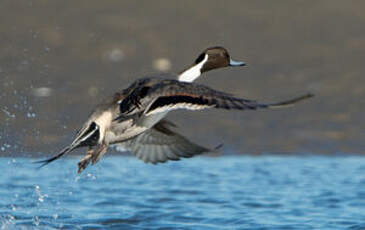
x=269 y=192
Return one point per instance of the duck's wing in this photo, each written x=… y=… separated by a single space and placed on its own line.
x=160 y=144
x=172 y=95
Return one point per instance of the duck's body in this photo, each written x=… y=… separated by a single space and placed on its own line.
x=134 y=118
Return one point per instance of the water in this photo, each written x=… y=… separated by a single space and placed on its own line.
x=268 y=192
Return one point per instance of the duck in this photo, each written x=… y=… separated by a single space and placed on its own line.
x=133 y=119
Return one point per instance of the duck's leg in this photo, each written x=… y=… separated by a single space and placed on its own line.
x=85 y=161
x=99 y=153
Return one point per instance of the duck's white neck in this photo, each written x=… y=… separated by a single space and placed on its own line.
x=193 y=72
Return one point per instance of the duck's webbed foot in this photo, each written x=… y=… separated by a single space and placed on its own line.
x=93 y=155
x=99 y=153
x=84 y=162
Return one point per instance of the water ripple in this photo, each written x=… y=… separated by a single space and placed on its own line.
x=201 y=193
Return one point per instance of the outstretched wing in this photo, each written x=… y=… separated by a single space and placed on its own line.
x=160 y=144
x=196 y=102
x=170 y=95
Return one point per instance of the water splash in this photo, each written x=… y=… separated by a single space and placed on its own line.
x=39 y=194
x=10 y=115
x=7 y=222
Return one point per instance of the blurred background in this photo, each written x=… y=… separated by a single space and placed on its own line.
x=58 y=59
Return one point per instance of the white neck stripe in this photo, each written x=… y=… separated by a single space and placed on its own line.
x=194 y=72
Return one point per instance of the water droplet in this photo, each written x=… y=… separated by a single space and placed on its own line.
x=39 y=194
x=8 y=113
x=30 y=115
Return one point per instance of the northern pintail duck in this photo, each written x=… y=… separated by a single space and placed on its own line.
x=133 y=119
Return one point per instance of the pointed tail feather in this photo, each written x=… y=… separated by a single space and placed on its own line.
x=218 y=147
x=64 y=151
x=84 y=138
x=290 y=102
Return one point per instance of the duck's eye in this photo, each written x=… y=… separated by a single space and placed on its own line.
x=200 y=58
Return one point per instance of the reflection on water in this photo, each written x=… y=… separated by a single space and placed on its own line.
x=269 y=192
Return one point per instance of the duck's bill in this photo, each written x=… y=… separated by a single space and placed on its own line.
x=236 y=63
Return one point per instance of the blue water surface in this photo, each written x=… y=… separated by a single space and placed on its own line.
x=266 y=192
